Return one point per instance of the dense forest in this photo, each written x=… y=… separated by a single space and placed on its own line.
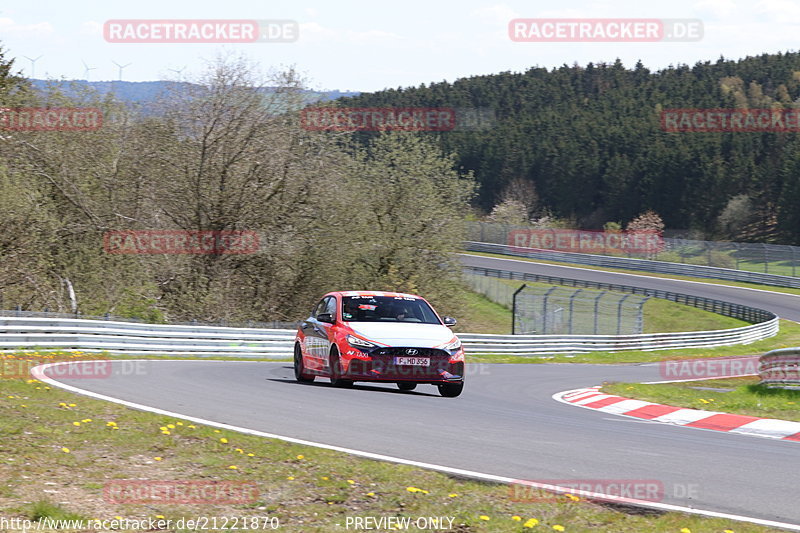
x=585 y=144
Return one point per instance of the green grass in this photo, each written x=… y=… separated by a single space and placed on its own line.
x=745 y=397
x=788 y=336
x=659 y=316
x=58 y=451
x=484 y=316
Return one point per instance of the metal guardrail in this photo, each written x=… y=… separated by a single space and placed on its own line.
x=134 y=338
x=780 y=368
x=644 y=265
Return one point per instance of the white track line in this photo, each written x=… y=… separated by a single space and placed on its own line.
x=38 y=373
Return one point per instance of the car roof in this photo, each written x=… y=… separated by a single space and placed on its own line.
x=377 y=293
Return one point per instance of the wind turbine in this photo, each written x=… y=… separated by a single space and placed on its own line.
x=86 y=69
x=177 y=71
x=120 y=68
x=33 y=65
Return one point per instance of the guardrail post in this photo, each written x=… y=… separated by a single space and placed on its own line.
x=766 y=258
x=514 y=308
x=544 y=309
x=619 y=313
x=571 y=303
x=596 y=305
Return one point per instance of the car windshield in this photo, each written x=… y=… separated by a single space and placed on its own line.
x=387 y=309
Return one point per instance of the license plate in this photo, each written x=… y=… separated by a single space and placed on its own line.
x=412 y=361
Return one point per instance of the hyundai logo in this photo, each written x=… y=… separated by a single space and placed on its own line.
x=412 y=351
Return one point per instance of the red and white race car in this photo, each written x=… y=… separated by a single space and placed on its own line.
x=380 y=337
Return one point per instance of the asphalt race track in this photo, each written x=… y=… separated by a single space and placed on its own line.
x=505 y=423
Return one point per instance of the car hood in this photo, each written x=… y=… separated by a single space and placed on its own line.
x=399 y=334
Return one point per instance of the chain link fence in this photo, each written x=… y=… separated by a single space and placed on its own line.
x=752 y=257
x=560 y=310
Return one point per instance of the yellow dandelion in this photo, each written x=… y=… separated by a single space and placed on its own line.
x=163 y=428
x=76 y=424
x=166 y=433
x=179 y=423
x=452 y=495
x=727 y=531
x=157 y=458
x=233 y=467
x=171 y=426
x=350 y=481
x=530 y=523
x=301 y=457
x=239 y=450
x=558 y=527
x=686 y=530
x=47 y=388
x=160 y=516
x=484 y=517
x=86 y=420
x=223 y=440
x=23 y=405
x=192 y=427
x=217 y=431
x=65 y=450
x=118 y=517
x=290 y=478
x=516 y=518
x=370 y=494
x=325 y=478
x=251 y=455
x=72 y=405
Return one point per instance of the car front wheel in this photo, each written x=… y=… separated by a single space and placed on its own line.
x=336 y=371
x=406 y=386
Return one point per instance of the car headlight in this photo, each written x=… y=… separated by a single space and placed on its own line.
x=454 y=345
x=352 y=340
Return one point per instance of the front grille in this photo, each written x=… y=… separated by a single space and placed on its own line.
x=421 y=352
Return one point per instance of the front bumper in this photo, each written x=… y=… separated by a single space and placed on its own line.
x=379 y=365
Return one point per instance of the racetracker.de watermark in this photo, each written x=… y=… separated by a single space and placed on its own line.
x=567 y=240
x=615 y=490
x=180 y=242
x=622 y=30
x=70 y=368
x=690 y=369
x=200 y=31
x=397 y=118
x=730 y=120
x=138 y=491
x=50 y=119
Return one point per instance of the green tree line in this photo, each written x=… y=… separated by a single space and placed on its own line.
x=589 y=141
x=331 y=214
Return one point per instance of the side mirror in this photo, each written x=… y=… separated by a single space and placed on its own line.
x=325 y=317
x=449 y=321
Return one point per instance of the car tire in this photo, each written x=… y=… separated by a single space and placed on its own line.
x=299 y=368
x=336 y=371
x=451 y=390
x=405 y=386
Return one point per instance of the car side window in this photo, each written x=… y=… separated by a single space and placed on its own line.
x=330 y=307
x=319 y=309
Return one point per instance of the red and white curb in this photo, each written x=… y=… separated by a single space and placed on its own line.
x=592 y=398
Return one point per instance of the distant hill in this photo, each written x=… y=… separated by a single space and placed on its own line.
x=144 y=92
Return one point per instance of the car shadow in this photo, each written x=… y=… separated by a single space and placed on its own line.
x=356 y=386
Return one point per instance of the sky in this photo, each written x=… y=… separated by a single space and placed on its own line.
x=372 y=45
